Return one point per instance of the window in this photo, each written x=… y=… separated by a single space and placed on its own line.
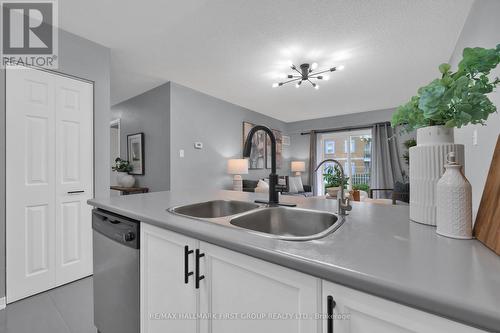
x=352 y=146
x=329 y=147
x=355 y=157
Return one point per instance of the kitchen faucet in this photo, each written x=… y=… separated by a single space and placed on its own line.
x=273 y=177
x=343 y=202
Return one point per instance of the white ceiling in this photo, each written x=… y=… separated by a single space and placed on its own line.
x=233 y=49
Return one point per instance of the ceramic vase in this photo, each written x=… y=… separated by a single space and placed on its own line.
x=125 y=180
x=454 y=202
x=427 y=161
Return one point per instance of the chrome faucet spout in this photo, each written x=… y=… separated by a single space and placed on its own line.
x=343 y=202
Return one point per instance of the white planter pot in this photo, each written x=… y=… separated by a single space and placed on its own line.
x=125 y=180
x=427 y=160
x=332 y=191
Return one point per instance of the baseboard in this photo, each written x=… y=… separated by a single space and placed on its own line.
x=2 y=303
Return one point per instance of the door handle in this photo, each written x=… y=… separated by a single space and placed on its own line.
x=76 y=192
x=187 y=273
x=198 y=277
x=330 y=305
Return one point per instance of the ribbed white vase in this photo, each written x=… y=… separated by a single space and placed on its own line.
x=454 y=202
x=427 y=160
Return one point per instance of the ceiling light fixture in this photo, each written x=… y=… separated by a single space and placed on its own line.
x=306 y=74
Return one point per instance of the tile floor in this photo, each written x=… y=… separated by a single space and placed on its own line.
x=67 y=309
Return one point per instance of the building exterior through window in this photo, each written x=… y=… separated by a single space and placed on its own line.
x=353 y=149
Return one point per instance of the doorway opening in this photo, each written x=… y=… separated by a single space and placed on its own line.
x=114 y=150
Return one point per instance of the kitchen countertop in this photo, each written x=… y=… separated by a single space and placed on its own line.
x=377 y=250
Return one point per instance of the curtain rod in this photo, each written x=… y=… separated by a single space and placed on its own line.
x=348 y=128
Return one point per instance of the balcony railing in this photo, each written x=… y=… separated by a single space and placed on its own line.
x=360 y=178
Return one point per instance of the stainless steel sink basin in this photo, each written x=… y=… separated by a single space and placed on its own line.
x=214 y=208
x=288 y=223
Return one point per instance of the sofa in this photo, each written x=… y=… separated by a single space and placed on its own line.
x=249 y=185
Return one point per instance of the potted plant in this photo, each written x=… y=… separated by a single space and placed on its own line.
x=408 y=144
x=333 y=180
x=356 y=196
x=454 y=100
x=123 y=167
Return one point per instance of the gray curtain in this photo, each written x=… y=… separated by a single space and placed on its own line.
x=386 y=164
x=313 y=137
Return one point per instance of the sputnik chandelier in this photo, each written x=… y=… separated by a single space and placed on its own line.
x=306 y=74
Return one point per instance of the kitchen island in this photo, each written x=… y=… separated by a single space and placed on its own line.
x=376 y=251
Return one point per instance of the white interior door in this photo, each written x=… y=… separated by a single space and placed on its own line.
x=30 y=185
x=74 y=179
x=49 y=152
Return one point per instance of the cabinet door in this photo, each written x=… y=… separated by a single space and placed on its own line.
x=358 y=312
x=254 y=295
x=30 y=185
x=74 y=178
x=164 y=294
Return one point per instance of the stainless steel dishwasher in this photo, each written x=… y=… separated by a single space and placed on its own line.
x=116 y=273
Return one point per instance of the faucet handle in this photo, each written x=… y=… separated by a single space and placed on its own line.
x=344 y=204
x=347 y=204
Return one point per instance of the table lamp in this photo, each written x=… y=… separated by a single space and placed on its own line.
x=298 y=167
x=237 y=167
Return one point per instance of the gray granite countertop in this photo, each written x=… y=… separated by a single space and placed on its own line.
x=377 y=250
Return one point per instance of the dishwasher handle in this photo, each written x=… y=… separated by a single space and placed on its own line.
x=118 y=228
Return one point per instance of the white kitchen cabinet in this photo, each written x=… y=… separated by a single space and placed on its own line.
x=250 y=288
x=164 y=291
x=242 y=294
x=235 y=289
x=358 y=312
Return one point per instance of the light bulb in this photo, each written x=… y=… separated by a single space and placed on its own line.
x=297 y=85
x=341 y=67
x=326 y=77
x=275 y=85
x=314 y=65
x=316 y=86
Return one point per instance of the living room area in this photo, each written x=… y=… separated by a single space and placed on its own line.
x=202 y=138
x=193 y=128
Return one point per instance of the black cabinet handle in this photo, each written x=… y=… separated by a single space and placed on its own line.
x=198 y=277
x=330 y=305
x=187 y=273
x=76 y=192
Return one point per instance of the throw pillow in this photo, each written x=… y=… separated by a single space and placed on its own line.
x=295 y=184
x=262 y=187
x=262 y=184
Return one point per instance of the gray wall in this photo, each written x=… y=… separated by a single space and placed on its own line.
x=482 y=28
x=218 y=124
x=299 y=149
x=148 y=113
x=85 y=59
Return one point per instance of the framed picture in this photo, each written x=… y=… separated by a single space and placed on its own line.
x=257 y=158
x=135 y=153
x=279 y=150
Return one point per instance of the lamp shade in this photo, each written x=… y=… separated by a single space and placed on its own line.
x=237 y=167
x=298 y=166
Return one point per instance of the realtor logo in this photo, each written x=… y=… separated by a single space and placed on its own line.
x=29 y=33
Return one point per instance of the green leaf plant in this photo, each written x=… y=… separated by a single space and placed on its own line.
x=122 y=165
x=333 y=177
x=457 y=98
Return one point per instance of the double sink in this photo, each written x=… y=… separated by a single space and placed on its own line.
x=295 y=224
